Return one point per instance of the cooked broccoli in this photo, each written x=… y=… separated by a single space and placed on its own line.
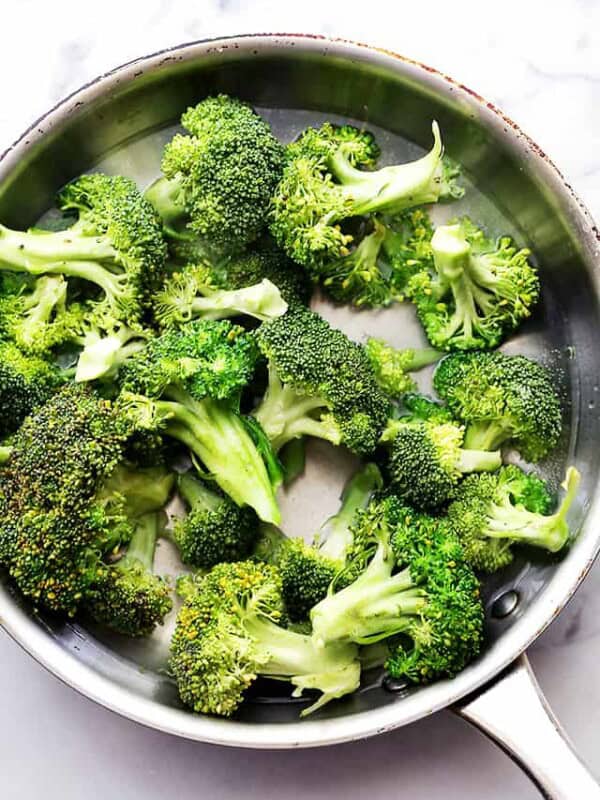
x=228 y=634
x=491 y=513
x=219 y=177
x=479 y=291
x=25 y=383
x=186 y=384
x=5 y=453
x=391 y=366
x=320 y=384
x=116 y=243
x=127 y=596
x=190 y=294
x=141 y=490
x=56 y=522
x=214 y=529
x=407 y=247
x=422 y=409
x=325 y=183
x=502 y=399
x=416 y=583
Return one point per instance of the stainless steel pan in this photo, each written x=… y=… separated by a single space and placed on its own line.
x=118 y=123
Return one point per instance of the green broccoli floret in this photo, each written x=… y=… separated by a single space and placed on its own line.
x=219 y=177
x=56 y=522
x=228 y=634
x=407 y=247
x=320 y=384
x=421 y=409
x=25 y=383
x=479 y=291
x=491 y=513
x=308 y=571
x=214 y=529
x=391 y=366
x=416 y=583
x=325 y=183
x=191 y=294
x=127 y=596
x=116 y=243
x=186 y=384
x=502 y=399
x=426 y=460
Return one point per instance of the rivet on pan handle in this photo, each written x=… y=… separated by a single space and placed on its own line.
x=514 y=713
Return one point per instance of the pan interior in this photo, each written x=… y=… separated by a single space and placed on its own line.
x=498 y=196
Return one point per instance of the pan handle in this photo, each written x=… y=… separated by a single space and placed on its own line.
x=514 y=713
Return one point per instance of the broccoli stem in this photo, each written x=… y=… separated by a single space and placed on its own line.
x=103 y=355
x=485 y=435
x=518 y=524
x=261 y=301
x=391 y=189
x=143 y=542
x=165 y=195
x=419 y=359
x=218 y=437
x=478 y=461
x=196 y=493
x=5 y=453
x=335 y=535
x=333 y=670
x=48 y=295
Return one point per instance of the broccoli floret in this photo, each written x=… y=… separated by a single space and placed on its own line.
x=142 y=490
x=56 y=523
x=323 y=185
x=422 y=409
x=391 y=366
x=214 y=529
x=502 y=399
x=417 y=584
x=228 y=634
x=191 y=294
x=407 y=247
x=127 y=596
x=320 y=384
x=186 y=384
x=491 y=513
x=219 y=177
x=308 y=571
x=479 y=291
x=116 y=243
x=427 y=460
x=26 y=381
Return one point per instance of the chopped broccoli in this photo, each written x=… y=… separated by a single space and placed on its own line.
x=479 y=291
x=415 y=583
x=391 y=366
x=407 y=247
x=214 y=529
x=142 y=490
x=320 y=384
x=323 y=185
x=186 y=384
x=491 y=513
x=25 y=383
x=127 y=596
x=422 y=409
x=427 y=460
x=219 y=177
x=502 y=399
x=191 y=294
x=228 y=634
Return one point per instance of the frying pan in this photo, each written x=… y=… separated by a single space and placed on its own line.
x=118 y=123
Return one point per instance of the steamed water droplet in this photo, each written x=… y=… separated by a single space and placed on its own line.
x=394 y=684
x=505 y=604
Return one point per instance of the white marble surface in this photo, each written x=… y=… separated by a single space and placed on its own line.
x=538 y=61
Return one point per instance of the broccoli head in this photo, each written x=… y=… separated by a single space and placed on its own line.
x=391 y=366
x=502 y=399
x=407 y=248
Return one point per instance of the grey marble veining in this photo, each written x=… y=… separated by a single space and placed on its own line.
x=540 y=63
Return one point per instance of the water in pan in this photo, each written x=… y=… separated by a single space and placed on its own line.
x=316 y=495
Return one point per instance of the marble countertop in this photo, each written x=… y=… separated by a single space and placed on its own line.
x=537 y=61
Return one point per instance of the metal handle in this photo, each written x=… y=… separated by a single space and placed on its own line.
x=514 y=713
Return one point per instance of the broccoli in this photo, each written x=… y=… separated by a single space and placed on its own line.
x=479 y=291
x=416 y=583
x=421 y=409
x=391 y=366
x=141 y=490
x=186 y=384
x=407 y=248
x=56 y=522
x=502 y=399
x=25 y=383
x=219 y=177
x=191 y=294
x=323 y=185
x=308 y=571
x=127 y=596
x=116 y=243
x=491 y=513
x=5 y=453
x=228 y=634
x=214 y=529
x=320 y=384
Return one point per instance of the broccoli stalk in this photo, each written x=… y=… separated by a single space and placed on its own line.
x=106 y=347
x=391 y=366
